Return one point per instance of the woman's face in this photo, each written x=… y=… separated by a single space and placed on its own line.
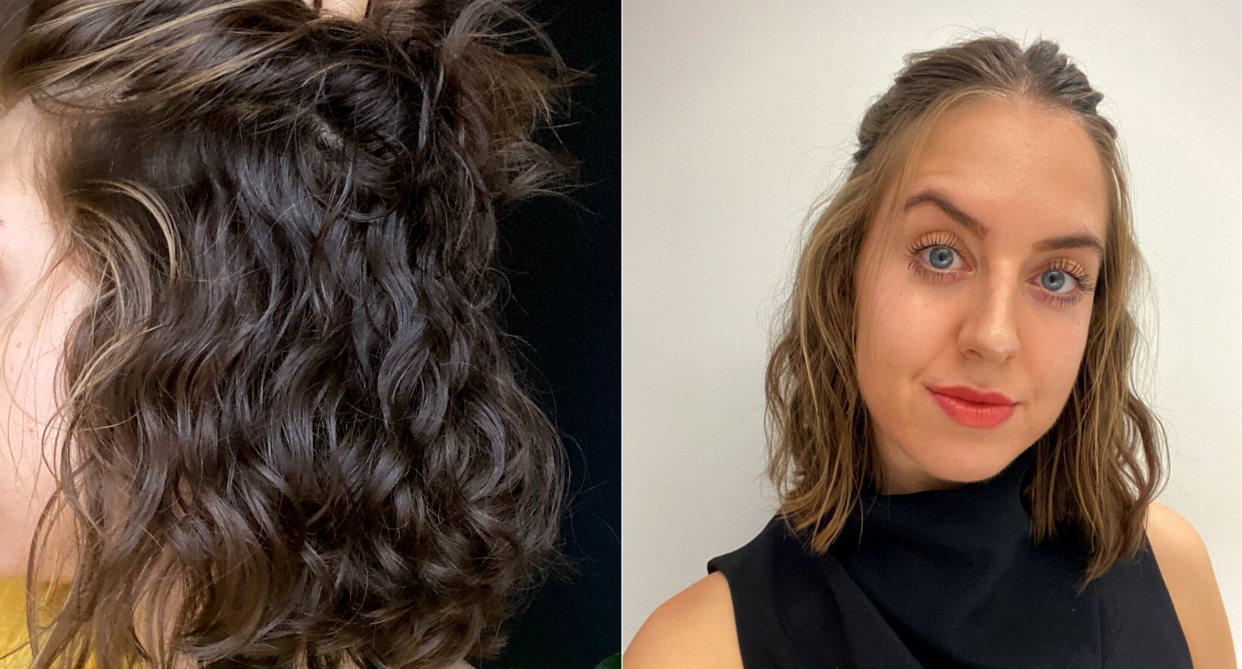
x=31 y=355
x=973 y=304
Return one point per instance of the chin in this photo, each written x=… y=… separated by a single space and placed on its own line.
x=954 y=463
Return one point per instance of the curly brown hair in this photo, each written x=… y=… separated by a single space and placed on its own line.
x=1102 y=462
x=291 y=431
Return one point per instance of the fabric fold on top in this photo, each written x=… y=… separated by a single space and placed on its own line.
x=946 y=578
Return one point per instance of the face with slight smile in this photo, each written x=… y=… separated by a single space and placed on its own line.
x=974 y=302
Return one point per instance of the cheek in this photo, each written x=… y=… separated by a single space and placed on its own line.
x=29 y=392
x=1054 y=353
x=902 y=331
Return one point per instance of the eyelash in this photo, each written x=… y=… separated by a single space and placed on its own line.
x=937 y=239
x=1080 y=277
x=1085 y=284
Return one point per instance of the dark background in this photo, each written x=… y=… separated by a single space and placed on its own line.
x=562 y=258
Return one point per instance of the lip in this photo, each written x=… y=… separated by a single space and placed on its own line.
x=972 y=407
x=972 y=395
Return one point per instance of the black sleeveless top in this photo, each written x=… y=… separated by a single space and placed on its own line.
x=946 y=578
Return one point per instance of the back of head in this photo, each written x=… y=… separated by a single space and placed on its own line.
x=292 y=433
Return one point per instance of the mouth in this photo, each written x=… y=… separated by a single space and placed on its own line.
x=971 y=407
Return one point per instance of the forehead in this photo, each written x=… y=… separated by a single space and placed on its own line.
x=1017 y=166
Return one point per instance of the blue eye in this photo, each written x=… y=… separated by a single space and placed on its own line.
x=940 y=257
x=1056 y=281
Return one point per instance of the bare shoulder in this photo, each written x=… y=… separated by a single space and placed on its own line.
x=1188 y=576
x=693 y=630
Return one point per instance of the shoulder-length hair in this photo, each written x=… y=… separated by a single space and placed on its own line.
x=1089 y=479
x=291 y=431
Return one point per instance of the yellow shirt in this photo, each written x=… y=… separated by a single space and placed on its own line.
x=13 y=618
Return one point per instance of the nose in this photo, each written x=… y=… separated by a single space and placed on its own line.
x=990 y=329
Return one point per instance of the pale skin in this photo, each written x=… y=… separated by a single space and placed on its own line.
x=31 y=354
x=973 y=293
x=350 y=9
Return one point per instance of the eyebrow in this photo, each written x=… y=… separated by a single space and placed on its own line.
x=966 y=220
x=1074 y=241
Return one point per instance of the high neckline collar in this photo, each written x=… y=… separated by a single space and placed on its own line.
x=1015 y=476
x=987 y=519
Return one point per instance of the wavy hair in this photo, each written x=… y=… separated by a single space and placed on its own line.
x=1089 y=476
x=292 y=433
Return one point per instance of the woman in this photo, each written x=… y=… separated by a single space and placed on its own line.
x=251 y=326
x=966 y=475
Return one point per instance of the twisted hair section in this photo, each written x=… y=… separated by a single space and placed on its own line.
x=292 y=431
x=1103 y=461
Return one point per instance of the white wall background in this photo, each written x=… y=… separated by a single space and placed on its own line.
x=738 y=113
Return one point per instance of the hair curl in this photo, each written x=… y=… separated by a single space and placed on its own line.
x=292 y=432
x=1090 y=478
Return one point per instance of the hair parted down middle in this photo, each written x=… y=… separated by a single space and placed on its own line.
x=292 y=434
x=1102 y=462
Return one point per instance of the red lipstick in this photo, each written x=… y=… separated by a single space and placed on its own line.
x=973 y=408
